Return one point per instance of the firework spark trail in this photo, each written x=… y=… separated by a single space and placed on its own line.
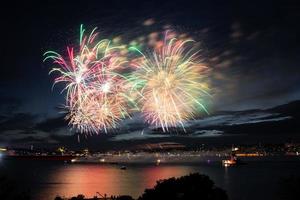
x=170 y=84
x=96 y=92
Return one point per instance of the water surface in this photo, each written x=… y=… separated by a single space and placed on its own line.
x=47 y=179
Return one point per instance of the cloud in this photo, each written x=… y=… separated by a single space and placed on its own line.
x=138 y=135
x=21 y=127
x=10 y=135
x=255 y=121
x=29 y=128
x=9 y=105
x=207 y=133
x=51 y=124
x=23 y=121
x=134 y=123
x=236 y=31
x=148 y=134
x=148 y=22
x=236 y=119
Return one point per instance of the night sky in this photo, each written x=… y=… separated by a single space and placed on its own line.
x=252 y=48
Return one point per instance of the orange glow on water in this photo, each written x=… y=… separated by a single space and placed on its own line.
x=74 y=179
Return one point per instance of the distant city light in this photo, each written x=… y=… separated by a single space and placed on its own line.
x=158 y=161
x=3 y=149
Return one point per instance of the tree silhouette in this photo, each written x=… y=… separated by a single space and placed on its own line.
x=124 y=197
x=79 y=197
x=58 y=198
x=193 y=186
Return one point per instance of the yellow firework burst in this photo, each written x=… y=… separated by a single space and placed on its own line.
x=170 y=84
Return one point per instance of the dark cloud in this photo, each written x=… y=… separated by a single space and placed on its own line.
x=222 y=124
x=27 y=129
x=9 y=104
x=20 y=121
x=31 y=140
x=51 y=124
x=18 y=128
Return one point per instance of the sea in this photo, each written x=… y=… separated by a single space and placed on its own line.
x=257 y=179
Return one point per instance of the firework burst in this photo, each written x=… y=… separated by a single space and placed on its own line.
x=96 y=92
x=170 y=84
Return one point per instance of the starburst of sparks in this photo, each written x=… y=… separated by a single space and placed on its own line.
x=170 y=84
x=96 y=90
x=104 y=86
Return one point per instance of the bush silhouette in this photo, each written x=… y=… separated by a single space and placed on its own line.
x=79 y=197
x=193 y=186
x=124 y=197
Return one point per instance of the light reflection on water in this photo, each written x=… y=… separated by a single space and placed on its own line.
x=48 y=179
x=111 y=180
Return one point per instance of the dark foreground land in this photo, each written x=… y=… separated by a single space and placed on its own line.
x=185 y=187
x=193 y=186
